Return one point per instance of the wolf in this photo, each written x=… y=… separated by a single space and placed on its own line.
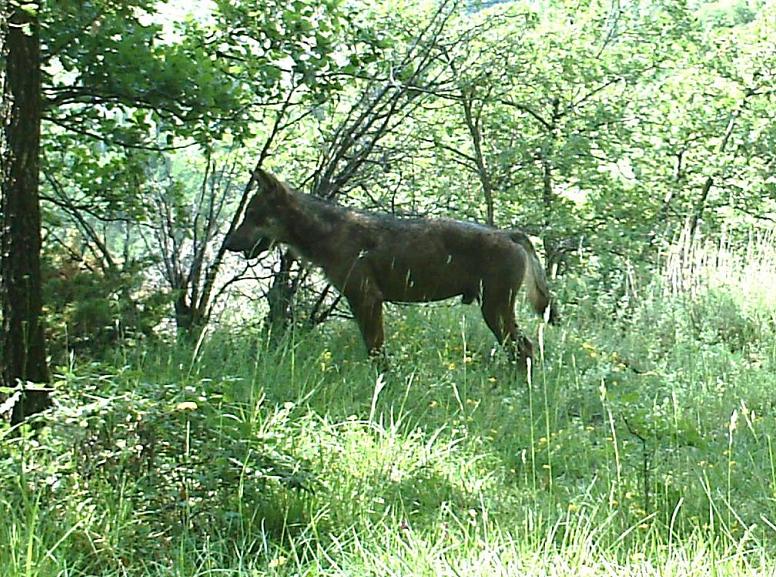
x=372 y=258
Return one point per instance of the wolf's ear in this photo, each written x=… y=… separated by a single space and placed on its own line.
x=268 y=183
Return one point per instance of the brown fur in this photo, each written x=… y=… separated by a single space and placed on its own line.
x=372 y=258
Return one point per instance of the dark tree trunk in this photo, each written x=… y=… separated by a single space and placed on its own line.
x=22 y=340
x=700 y=204
x=553 y=256
x=475 y=130
x=188 y=320
x=280 y=298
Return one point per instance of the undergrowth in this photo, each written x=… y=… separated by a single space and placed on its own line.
x=642 y=445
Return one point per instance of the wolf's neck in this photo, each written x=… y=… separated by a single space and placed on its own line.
x=311 y=226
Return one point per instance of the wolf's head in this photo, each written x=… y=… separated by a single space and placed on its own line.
x=262 y=225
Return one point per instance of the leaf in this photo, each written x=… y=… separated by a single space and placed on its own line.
x=30 y=8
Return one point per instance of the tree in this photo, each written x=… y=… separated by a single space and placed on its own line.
x=23 y=339
x=121 y=97
x=329 y=87
x=544 y=115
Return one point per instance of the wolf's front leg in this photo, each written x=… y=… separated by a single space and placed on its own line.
x=369 y=316
x=367 y=306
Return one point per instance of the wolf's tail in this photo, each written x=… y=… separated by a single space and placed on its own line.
x=535 y=279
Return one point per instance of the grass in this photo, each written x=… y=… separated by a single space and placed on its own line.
x=643 y=445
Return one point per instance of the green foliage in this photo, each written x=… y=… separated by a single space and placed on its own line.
x=113 y=55
x=600 y=130
x=151 y=451
x=270 y=46
x=89 y=311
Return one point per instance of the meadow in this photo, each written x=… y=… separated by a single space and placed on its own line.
x=643 y=443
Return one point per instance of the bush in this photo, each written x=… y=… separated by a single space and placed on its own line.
x=89 y=310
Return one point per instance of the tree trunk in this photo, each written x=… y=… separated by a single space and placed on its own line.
x=473 y=124
x=280 y=298
x=188 y=320
x=700 y=204
x=553 y=257
x=22 y=340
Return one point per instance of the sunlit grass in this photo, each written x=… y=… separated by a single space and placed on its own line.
x=744 y=266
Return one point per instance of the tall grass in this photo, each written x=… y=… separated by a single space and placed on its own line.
x=728 y=262
x=642 y=445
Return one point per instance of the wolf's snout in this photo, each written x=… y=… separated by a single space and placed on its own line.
x=250 y=247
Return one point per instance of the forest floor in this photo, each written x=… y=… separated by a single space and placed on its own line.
x=643 y=445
